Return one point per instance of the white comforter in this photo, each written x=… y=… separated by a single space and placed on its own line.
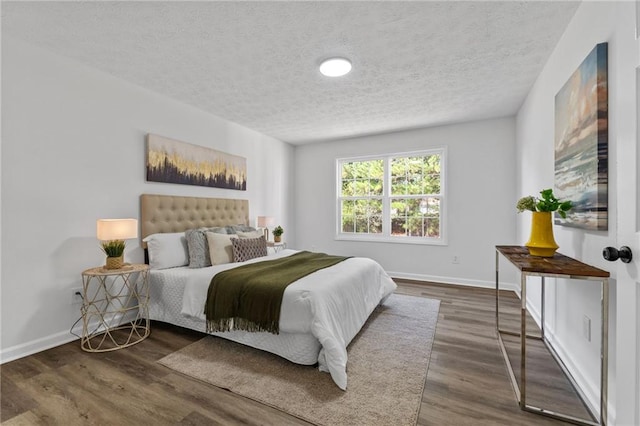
x=332 y=304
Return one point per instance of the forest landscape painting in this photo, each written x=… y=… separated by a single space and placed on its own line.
x=172 y=161
x=581 y=143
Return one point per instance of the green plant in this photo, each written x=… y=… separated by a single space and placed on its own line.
x=277 y=231
x=547 y=203
x=113 y=248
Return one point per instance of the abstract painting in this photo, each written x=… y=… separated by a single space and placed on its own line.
x=172 y=161
x=581 y=143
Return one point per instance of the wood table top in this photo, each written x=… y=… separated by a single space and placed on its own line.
x=559 y=264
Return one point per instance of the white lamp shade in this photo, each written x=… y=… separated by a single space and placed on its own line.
x=265 y=221
x=116 y=229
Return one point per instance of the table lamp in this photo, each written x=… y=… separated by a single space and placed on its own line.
x=112 y=233
x=265 y=222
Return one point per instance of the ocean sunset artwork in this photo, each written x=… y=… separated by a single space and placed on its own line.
x=581 y=143
x=172 y=161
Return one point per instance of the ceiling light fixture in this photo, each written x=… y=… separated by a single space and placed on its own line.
x=335 y=67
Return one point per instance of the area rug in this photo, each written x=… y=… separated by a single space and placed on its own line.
x=387 y=368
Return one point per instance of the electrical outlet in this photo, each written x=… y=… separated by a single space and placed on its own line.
x=76 y=296
x=586 y=328
x=456 y=259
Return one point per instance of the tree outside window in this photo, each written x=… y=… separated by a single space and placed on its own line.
x=394 y=196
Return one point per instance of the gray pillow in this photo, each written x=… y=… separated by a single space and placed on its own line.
x=234 y=229
x=198 y=246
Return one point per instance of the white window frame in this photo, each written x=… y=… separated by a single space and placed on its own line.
x=385 y=236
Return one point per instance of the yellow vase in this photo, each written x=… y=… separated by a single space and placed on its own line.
x=541 y=242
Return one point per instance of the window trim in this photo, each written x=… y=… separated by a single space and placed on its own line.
x=385 y=236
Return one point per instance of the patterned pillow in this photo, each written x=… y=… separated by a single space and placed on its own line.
x=248 y=248
x=198 y=247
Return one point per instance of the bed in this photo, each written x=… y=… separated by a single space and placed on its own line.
x=321 y=313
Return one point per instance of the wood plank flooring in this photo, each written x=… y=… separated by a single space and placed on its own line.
x=467 y=382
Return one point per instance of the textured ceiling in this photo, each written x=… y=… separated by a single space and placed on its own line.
x=415 y=64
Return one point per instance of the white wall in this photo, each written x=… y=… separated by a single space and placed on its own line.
x=73 y=151
x=593 y=23
x=481 y=200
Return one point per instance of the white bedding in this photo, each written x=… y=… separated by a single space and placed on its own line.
x=332 y=304
x=165 y=304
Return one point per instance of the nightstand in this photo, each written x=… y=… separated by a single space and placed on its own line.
x=277 y=246
x=115 y=307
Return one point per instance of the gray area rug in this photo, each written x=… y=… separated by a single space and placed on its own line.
x=387 y=368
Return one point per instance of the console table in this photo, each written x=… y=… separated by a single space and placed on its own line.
x=558 y=266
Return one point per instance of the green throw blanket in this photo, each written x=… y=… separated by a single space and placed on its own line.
x=249 y=297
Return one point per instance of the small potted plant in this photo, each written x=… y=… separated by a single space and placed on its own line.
x=541 y=242
x=114 y=249
x=277 y=233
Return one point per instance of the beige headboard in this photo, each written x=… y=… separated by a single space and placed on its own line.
x=169 y=213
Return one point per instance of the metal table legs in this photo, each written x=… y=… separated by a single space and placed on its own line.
x=520 y=391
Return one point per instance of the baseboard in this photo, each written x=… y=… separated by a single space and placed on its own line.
x=35 y=346
x=452 y=280
x=590 y=389
x=38 y=345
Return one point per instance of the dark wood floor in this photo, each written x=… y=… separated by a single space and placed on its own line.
x=467 y=382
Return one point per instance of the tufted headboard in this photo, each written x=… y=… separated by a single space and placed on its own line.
x=170 y=213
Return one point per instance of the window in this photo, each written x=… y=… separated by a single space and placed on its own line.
x=396 y=197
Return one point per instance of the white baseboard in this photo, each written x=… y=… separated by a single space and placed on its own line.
x=35 y=346
x=588 y=387
x=57 y=339
x=38 y=345
x=452 y=280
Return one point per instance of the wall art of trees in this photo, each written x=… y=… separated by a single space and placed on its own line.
x=173 y=161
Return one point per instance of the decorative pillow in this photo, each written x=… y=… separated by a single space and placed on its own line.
x=248 y=248
x=199 y=247
x=250 y=234
x=220 y=248
x=167 y=250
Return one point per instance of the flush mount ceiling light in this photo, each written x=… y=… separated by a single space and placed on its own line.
x=335 y=67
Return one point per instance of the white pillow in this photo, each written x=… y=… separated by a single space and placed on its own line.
x=220 y=248
x=250 y=235
x=167 y=250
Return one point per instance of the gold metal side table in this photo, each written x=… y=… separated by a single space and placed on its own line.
x=277 y=246
x=115 y=310
x=558 y=266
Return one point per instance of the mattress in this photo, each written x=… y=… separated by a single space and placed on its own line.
x=165 y=304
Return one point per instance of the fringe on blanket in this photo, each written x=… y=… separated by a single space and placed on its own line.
x=242 y=324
